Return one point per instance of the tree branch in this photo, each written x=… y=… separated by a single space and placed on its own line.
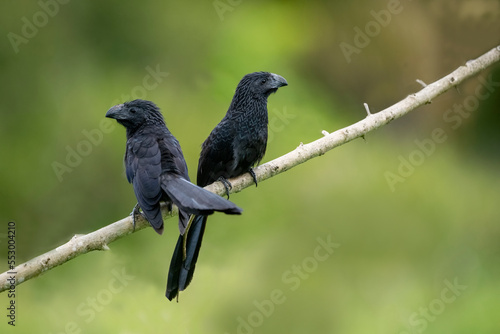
x=100 y=239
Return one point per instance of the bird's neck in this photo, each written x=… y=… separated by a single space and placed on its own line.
x=146 y=127
x=256 y=106
x=131 y=133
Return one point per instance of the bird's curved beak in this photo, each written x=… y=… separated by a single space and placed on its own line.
x=115 y=112
x=278 y=81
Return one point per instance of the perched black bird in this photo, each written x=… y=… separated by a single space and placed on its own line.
x=155 y=166
x=235 y=145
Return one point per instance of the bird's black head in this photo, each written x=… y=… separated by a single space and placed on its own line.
x=134 y=114
x=260 y=84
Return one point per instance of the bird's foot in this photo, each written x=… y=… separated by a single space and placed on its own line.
x=254 y=177
x=136 y=211
x=226 y=183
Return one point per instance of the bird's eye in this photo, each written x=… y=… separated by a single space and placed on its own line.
x=132 y=110
x=263 y=81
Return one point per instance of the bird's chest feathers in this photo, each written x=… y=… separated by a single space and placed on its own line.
x=252 y=127
x=250 y=138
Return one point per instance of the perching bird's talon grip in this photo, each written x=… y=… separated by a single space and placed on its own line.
x=136 y=211
x=254 y=177
x=227 y=185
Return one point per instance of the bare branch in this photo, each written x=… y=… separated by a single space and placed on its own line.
x=100 y=239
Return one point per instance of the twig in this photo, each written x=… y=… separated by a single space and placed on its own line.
x=367 y=108
x=423 y=84
x=100 y=239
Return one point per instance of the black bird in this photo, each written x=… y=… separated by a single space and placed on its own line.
x=155 y=166
x=233 y=147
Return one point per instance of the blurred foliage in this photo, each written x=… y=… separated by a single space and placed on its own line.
x=397 y=248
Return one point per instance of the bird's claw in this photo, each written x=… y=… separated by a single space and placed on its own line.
x=135 y=211
x=254 y=177
x=227 y=185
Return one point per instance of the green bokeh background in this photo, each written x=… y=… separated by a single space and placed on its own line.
x=399 y=246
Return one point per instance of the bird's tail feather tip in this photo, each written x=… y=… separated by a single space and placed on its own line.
x=171 y=295
x=234 y=211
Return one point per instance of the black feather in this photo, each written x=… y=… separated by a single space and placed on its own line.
x=155 y=166
x=181 y=270
x=233 y=147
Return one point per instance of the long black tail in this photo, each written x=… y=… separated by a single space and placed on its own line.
x=190 y=199
x=181 y=270
x=193 y=199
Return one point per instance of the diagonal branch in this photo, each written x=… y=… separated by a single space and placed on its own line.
x=99 y=240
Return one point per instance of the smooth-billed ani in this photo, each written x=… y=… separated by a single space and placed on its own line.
x=155 y=166
x=233 y=147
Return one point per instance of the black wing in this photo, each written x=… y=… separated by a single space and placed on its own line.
x=173 y=163
x=217 y=154
x=143 y=169
x=172 y=158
